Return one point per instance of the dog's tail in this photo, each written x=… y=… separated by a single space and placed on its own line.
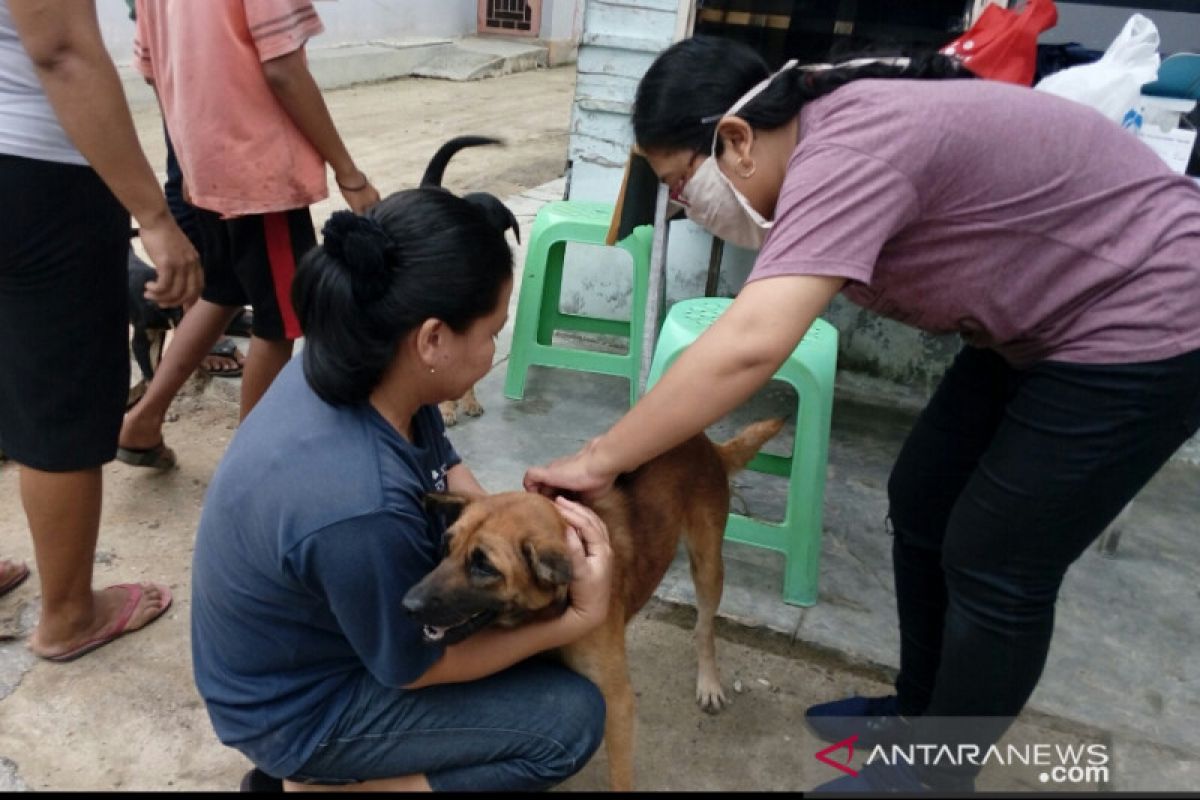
x=437 y=165
x=737 y=452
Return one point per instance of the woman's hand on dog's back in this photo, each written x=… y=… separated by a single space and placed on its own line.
x=591 y=563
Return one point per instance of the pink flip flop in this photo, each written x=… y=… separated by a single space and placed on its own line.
x=117 y=629
x=15 y=580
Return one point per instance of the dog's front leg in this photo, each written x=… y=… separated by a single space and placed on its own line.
x=619 y=730
x=469 y=403
x=600 y=657
x=449 y=409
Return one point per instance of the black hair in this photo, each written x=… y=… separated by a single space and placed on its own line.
x=692 y=83
x=419 y=254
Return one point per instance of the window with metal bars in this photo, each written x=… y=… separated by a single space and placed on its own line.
x=519 y=17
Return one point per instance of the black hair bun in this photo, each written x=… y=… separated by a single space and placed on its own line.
x=365 y=249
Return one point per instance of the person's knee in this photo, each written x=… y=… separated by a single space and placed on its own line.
x=910 y=518
x=580 y=707
x=992 y=593
x=580 y=723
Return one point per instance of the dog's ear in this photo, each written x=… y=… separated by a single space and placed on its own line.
x=448 y=505
x=550 y=569
x=498 y=215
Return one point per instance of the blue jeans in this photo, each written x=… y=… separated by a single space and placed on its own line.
x=527 y=728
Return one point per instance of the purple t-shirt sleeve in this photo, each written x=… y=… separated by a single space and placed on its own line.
x=837 y=209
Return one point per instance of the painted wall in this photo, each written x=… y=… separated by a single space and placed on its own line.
x=345 y=21
x=620 y=39
x=562 y=19
x=562 y=25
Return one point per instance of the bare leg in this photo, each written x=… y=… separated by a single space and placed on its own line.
x=406 y=783
x=267 y=357
x=201 y=328
x=63 y=509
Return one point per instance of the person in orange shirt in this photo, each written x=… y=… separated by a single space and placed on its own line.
x=253 y=137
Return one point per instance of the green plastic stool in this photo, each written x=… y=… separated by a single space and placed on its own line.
x=810 y=371
x=539 y=316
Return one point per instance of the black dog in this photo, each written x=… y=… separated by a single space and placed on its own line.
x=496 y=212
x=150 y=322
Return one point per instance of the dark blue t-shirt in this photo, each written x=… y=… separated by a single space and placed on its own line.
x=312 y=532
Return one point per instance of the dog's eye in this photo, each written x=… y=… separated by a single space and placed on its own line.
x=482 y=567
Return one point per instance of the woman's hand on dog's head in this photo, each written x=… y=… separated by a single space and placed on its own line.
x=578 y=473
x=591 y=562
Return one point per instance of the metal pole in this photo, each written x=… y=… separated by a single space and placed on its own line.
x=656 y=296
x=715 y=254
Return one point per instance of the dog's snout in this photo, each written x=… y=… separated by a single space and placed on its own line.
x=414 y=603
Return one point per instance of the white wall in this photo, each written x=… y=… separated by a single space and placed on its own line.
x=345 y=21
x=620 y=39
x=562 y=19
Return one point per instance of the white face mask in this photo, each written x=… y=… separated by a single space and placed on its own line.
x=712 y=200
x=714 y=203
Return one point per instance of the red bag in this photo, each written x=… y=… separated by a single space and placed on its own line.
x=1002 y=44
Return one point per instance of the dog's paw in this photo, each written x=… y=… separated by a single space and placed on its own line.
x=449 y=409
x=709 y=696
x=470 y=406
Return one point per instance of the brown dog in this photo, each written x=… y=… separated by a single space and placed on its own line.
x=506 y=564
x=467 y=404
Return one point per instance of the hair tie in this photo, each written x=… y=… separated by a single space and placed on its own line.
x=365 y=249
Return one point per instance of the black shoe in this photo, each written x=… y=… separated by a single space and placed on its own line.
x=258 y=781
x=875 y=720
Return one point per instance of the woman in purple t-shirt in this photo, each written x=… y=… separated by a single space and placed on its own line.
x=1060 y=247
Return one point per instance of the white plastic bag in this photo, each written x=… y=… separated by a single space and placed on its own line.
x=1113 y=84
